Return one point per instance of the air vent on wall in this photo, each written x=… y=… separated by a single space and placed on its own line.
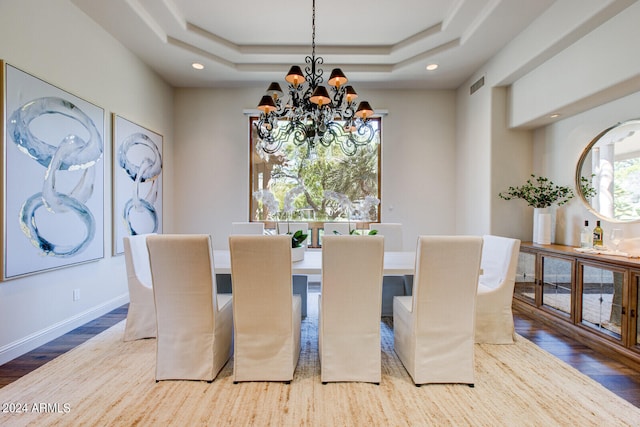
x=477 y=85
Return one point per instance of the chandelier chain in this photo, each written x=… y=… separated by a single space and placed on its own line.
x=313 y=30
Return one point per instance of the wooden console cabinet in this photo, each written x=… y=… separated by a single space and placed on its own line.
x=592 y=298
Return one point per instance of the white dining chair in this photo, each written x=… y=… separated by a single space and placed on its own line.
x=434 y=328
x=337 y=228
x=267 y=315
x=349 y=309
x=225 y=284
x=392 y=286
x=494 y=316
x=141 y=316
x=195 y=323
x=247 y=228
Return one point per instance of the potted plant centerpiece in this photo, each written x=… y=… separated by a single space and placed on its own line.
x=297 y=248
x=540 y=193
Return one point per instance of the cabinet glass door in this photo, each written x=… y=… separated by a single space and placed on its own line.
x=525 y=288
x=602 y=299
x=557 y=279
x=635 y=301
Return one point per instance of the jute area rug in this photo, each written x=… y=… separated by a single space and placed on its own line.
x=106 y=381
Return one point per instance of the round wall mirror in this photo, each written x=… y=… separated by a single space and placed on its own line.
x=608 y=173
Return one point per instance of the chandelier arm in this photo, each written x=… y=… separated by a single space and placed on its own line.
x=349 y=112
x=313 y=71
x=336 y=134
x=338 y=99
x=364 y=134
x=298 y=132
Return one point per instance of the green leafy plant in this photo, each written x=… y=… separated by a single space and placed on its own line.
x=539 y=192
x=357 y=232
x=298 y=238
x=586 y=187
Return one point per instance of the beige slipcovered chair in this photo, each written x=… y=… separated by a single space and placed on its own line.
x=195 y=323
x=224 y=280
x=494 y=318
x=392 y=285
x=141 y=317
x=247 y=227
x=339 y=228
x=349 y=309
x=267 y=314
x=433 y=329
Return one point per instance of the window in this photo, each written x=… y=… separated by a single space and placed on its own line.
x=318 y=185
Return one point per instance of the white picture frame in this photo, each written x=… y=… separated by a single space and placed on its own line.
x=53 y=182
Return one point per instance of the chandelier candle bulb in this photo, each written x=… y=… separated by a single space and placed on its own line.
x=351 y=94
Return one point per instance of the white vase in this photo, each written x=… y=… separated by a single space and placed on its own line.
x=542 y=226
x=297 y=254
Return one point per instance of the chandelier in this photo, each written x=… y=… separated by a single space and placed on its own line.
x=311 y=116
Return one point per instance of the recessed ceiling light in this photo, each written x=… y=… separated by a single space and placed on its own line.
x=432 y=67
x=197 y=66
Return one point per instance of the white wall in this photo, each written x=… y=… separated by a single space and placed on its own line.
x=212 y=134
x=56 y=42
x=473 y=160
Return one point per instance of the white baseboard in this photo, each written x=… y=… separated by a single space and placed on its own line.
x=24 y=345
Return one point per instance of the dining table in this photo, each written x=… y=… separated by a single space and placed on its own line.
x=395 y=263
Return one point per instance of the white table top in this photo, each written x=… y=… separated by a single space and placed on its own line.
x=395 y=263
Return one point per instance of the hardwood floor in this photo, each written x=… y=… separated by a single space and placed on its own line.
x=16 y=368
x=622 y=380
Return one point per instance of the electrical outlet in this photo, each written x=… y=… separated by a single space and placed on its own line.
x=76 y=294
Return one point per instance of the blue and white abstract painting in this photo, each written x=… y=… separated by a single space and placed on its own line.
x=54 y=187
x=137 y=181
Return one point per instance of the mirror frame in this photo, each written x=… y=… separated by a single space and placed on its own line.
x=578 y=175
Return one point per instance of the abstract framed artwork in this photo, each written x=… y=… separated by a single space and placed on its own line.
x=53 y=188
x=137 y=175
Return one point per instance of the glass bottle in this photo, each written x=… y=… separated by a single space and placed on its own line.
x=597 y=235
x=586 y=236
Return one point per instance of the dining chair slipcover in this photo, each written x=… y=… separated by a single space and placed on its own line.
x=494 y=317
x=337 y=228
x=349 y=308
x=141 y=317
x=247 y=228
x=392 y=286
x=224 y=280
x=194 y=321
x=266 y=313
x=434 y=329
